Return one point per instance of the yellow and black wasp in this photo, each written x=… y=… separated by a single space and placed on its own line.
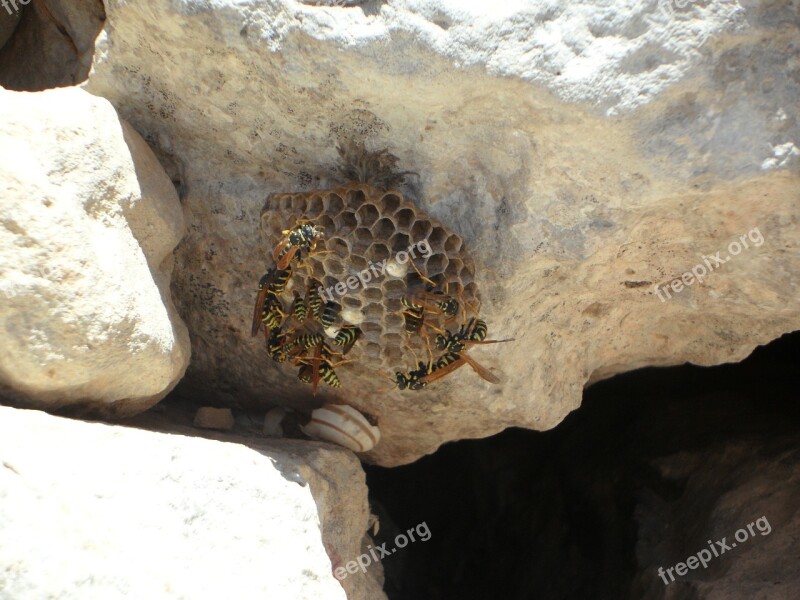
x=269 y=309
x=303 y=236
x=474 y=332
x=346 y=337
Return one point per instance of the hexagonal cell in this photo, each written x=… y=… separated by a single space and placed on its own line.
x=345 y=223
x=436 y=263
x=393 y=288
x=393 y=356
x=334 y=265
x=333 y=204
x=436 y=238
x=373 y=294
x=298 y=206
x=420 y=230
x=404 y=218
x=454 y=267
x=315 y=206
x=327 y=225
x=383 y=229
x=399 y=242
x=373 y=351
x=394 y=320
x=356 y=264
x=363 y=239
x=338 y=246
x=351 y=301
x=355 y=198
x=390 y=203
x=465 y=274
x=452 y=244
x=367 y=214
x=373 y=311
x=377 y=253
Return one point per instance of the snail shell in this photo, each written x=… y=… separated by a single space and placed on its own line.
x=343 y=425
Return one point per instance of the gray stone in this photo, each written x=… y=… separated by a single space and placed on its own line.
x=586 y=153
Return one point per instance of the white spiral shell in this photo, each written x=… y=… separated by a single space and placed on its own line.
x=342 y=425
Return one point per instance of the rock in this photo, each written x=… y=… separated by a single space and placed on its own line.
x=89 y=224
x=214 y=418
x=588 y=156
x=745 y=503
x=8 y=23
x=53 y=44
x=273 y=422
x=200 y=517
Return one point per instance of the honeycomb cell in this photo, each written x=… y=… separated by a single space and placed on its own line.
x=391 y=202
x=399 y=242
x=334 y=266
x=367 y=215
x=452 y=244
x=357 y=264
x=392 y=355
x=298 y=206
x=363 y=239
x=436 y=239
x=436 y=263
x=338 y=247
x=373 y=294
x=345 y=222
x=373 y=311
x=383 y=229
x=315 y=207
x=373 y=351
x=351 y=301
x=420 y=230
x=333 y=204
x=394 y=288
x=404 y=218
x=377 y=253
x=355 y=198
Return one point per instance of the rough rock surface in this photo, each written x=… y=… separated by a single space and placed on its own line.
x=117 y=512
x=89 y=223
x=53 y=44
x=585 y=153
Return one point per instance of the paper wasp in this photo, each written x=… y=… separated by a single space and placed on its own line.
x=268 y=309
x=303 y=235
x=319 y=367
x=451 y=361
x=346 y=337
x=474 y=332
x=299 y=308
x=414 y=380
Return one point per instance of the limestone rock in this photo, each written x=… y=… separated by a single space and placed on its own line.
x=208 y=417
x=53 y=44
x=585 y=154
x=89 y=224
x=200 y=518
x=8 y=23
x=746 y=501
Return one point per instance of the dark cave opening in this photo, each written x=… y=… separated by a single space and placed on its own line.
x=637 y=478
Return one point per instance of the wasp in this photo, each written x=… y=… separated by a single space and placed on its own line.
x=329 y=314
x=438 y=302
x=307 y=342
x=268 y=307
x=346 y=337
x=299 y=308
x=413 y=314
x=277 y=346
x=474 y=332
x=319 y=367
x=414 y=379
x=313 y=299
x=451 y=361
x=303 y=235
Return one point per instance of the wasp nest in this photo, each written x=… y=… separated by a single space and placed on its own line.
x=377 y=248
